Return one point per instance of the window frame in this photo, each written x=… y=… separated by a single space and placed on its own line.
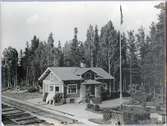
x=51 y=87
x=69 y=90
x=58 y=88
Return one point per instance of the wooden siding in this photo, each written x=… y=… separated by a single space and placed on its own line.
x=51 y=80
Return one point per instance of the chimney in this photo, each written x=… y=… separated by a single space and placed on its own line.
x=82 y=63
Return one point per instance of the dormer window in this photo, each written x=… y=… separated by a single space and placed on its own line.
x=89 y=75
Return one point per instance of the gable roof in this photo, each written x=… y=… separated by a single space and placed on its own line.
x=74 y=73
x=99 y=71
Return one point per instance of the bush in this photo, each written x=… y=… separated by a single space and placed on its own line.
x=96 y=108
x=90 y=106
x=105 y=94
x=59 y=98
x=126 y=94
x=114 y=95
x=32 y=89
x=93 y=107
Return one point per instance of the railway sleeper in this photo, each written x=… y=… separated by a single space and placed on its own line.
x=8 y=109
x=11 y=112
x=25 y=118
x=17 y=115
x=26 y=122
x=5 y=106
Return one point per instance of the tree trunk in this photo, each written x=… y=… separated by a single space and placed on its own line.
x=9 y=76
x=27 y=76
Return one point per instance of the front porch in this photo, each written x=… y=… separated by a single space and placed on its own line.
x=90 y=89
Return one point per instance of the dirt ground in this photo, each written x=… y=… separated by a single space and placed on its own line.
x=77 y=110
x=22 y=95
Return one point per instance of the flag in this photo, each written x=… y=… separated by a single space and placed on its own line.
x=121 y=14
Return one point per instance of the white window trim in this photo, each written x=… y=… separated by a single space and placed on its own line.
x=68 y=89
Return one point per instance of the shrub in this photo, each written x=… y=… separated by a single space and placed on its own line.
x=58 y=98
x=32 y=89
x=114 y=95
x=93 y=107
x=90 y=106
x=96 y=108
x=105 y=94
x=126 y=94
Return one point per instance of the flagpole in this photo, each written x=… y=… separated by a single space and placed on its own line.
x=120 y=64
x=120 y=46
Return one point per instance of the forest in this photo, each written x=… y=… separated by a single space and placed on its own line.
x=143 y=56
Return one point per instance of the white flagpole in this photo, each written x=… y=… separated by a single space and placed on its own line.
x=120 y=65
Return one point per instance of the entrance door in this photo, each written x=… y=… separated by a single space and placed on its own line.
x=90 y=90
x=92 y=87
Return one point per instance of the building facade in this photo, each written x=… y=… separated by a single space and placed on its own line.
x=75 y=83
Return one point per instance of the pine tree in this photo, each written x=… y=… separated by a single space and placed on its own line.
x=89 y=46
x=108 y=42
x=20 y=68
x=60 y=54
x=50 y=40
x=11 y=61
x=50 y=46
x=96 y=47
x=75 y=54
x=133 y=59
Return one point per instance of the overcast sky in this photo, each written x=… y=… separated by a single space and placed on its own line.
x=20 y=21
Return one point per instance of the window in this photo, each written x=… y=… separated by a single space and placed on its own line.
x=51 y=88
x=57 y=89
x=72 y=89
x=89 y=75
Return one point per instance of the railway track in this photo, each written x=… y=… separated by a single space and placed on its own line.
x=14 y=110
x=14 y=116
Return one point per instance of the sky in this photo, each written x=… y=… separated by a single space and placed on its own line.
x=20 y=21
